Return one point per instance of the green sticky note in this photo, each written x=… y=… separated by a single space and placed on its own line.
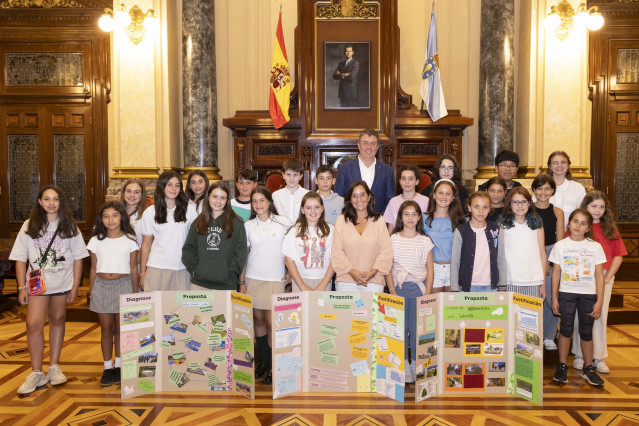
x=138 y=352
x=213 y=380
x=128 y=370
x=206 y=308
x=174 y=376
x=178 y=354
x=326 y=345
x=194 y=364
x=218 y=327
x=430 y=322
x=201 y=328
x=214 y=340
x=242 y=344
x=165 y=345
x=173 y=320
x=218 y=358
x=329 y=359
x=187 y=339
x=242 y=376
x=193 y=298
x=146 y=385
x=342 y=306
x=329 y=330
x=135 y=308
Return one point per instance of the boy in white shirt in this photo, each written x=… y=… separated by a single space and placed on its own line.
x=288 y=200
x=245 y=182
x=333 y=202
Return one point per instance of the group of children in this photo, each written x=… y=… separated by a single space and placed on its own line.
x=258 y=242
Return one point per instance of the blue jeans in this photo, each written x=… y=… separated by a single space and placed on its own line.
x=481 y=288
x=410 y=291
x=551 y=321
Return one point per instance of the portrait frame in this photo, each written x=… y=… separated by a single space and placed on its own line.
x=334 y=58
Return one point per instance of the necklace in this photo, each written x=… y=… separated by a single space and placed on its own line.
x=409 y=199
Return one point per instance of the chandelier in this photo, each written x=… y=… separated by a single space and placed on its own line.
x=563 y=18
x=134 y=22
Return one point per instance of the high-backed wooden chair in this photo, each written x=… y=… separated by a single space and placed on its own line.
x=273 y=180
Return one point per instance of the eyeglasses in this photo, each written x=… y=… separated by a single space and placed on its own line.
x=507 y=166
x=447 y=168
x=520 y=203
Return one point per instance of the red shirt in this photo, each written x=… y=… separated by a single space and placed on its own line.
x=612 y=248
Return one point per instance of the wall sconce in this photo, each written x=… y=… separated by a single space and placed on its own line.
x=134 y=22
x=562 y=18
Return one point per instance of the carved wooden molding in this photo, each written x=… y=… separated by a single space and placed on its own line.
x=347 y=9
x=388 y=155
x=307 y=151
x=47 y=4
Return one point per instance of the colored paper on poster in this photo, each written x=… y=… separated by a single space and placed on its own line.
x=360 y=326
x=146 y=386
x=174 y=376
x=194 y=364
x=205 y=309
x=382 y=344
x=242 y=376
x=360 y=353
x=213 y=340
x=186 y=339
x=129 y=341
x=218 y=358
x=326 y=345
x=242 y=344
x=394 y=360
x=360 y=367
x=165 y=345
x=135 y=308
x=129 y=370
x=286 y=337
x=190 y=298
x=136 y=353
x=286 y=384
x=364 y=382
x=201 y=328
x=212 y=380
x=329 y=330
x=328 y=316
x=356 y=338
x=330 y=359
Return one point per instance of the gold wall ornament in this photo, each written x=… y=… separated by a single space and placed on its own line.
x=135 y=31
x=135 y=22
x=563 y=18
x=347 y=9
x=47 y=4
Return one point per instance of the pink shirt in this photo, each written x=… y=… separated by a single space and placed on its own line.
x=390 y=215
x=481 y=267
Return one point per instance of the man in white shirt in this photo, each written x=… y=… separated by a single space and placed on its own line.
x=378 y=176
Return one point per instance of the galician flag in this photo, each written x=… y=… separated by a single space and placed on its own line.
x=279 y=100
x=431 y=87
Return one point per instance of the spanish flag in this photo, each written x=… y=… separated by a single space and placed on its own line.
x=279 y=100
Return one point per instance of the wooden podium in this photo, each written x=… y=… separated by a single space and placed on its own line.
x=321 y=129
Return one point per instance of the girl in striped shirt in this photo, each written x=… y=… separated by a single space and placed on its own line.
x=412 y=272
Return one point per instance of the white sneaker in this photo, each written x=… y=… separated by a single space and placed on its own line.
x=32 y=382
x=550 y=345
x=56 y=376
x=408 y=371
x=601 y=366
x=578 y=363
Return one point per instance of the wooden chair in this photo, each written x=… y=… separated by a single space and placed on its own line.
x=274 y=180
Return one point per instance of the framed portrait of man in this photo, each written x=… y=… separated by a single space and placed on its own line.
x=347 y=75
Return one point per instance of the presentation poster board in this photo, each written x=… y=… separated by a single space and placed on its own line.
x=527 y=323
x=186 y=341
x=427 y=368
x=390 y=342
x=327 y=342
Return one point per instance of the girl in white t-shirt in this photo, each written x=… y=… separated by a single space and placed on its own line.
x=523 y=244
x=114 y=271
x=50 y=226
x=577 y=287
x=165 y=226
x=307 y=247
x=412 y=273
x=568 y=193
x=134 y=200
x=197 y=186
x=264 y=274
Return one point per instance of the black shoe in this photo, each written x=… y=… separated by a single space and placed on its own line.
x=107 y=377
x=116 y=375
x=260 y=372
x=268 y=380
x=590 y=374
x=561 y=374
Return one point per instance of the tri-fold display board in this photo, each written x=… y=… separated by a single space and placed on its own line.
x=186 y=341
x=354 y=342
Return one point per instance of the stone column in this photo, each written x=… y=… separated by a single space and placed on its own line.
x=496 y=82
x=199 y=96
